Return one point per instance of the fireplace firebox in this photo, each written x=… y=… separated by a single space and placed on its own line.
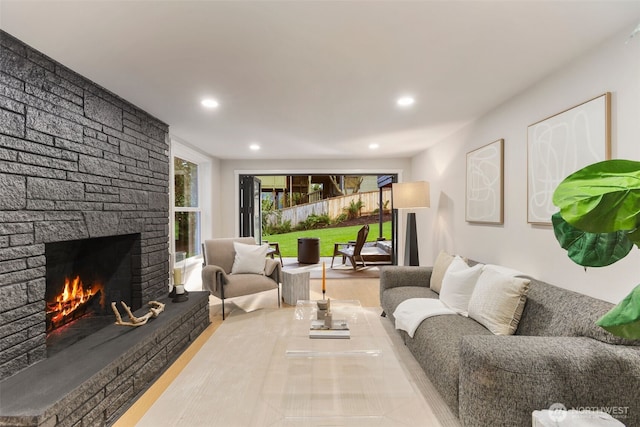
x=83 y=277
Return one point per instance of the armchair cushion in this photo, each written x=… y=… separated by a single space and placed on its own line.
x=246 y=284
x=249 y=259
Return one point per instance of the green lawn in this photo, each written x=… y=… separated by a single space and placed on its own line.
x=328 y=236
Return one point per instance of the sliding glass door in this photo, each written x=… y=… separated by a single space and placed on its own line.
x=250 y=207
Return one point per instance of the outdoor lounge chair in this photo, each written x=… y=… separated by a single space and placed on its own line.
x=360 y=252
x=274 y=249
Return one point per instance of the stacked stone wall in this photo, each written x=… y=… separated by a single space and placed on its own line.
x=76 y=162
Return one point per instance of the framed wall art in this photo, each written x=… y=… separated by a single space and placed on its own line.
x=484 y=192
x=560 y=145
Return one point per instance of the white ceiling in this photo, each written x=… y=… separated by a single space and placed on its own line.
x=315 y=79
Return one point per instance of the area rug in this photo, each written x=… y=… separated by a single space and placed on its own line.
x=222 y=383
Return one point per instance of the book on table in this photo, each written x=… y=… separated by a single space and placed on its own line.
x=339 y=329
x=329 y=333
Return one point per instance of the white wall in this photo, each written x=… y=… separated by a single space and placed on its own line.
x=612 y=67
x=231 y=169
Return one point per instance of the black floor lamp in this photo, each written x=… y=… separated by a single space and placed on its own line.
x=410 y=195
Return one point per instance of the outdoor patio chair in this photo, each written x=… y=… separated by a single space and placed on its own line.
x=274 y=249
x=360 y=251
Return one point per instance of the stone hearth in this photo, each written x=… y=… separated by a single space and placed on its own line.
x=93 y=381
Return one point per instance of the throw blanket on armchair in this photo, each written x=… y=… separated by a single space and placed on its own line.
x=411 y=312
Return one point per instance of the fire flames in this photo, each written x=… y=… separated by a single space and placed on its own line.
x=72 y=302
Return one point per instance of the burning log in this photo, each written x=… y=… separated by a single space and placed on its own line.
x=154 y=311
x=72 y=303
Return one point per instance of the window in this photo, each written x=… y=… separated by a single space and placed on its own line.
x=187 y=212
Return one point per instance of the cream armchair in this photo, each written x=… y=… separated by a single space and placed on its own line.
x=219 y=256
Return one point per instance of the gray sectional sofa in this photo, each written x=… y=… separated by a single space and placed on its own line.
x=557 y=355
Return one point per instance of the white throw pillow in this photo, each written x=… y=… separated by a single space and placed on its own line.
x=498 y=300
x=456 y=264
x=249 y=258
x=457 y=287
x=439 y=268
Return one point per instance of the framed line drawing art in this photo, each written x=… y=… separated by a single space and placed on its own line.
x=560 y=145
x=485 y=184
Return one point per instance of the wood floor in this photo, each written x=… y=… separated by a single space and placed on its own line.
x=365 y=290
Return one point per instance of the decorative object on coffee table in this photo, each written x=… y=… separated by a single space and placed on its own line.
x=325 y=326
x=323 y=306
x=324 y=279
x=327 y=315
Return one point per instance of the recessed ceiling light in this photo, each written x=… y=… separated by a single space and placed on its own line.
x=210 y=103
x=405 y=101
x=254 y=147
x=373 y=146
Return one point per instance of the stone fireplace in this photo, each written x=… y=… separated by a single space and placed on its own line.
x=80 y=169
x=82 y=278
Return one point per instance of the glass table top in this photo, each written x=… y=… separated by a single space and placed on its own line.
x=350 y=382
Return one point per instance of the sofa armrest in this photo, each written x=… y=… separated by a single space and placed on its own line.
x=503 y=379
x=394 y=276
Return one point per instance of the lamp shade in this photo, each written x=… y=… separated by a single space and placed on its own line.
x=411 y=195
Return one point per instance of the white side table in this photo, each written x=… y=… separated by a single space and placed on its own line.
x=573 y=418
x=295 y=286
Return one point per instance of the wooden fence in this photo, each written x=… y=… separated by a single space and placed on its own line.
x=334 y=207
